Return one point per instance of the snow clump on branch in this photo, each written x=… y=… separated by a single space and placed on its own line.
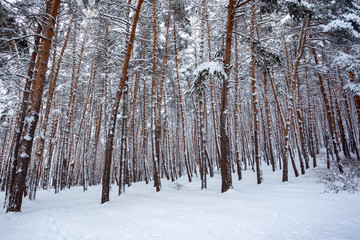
x=206 y=68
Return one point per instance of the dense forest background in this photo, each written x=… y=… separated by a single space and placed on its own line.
x=103 y=92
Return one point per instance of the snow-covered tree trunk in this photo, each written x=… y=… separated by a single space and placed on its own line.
x=18 y=186
x=161 y=97
x=236 y=110
x=185 y=148
x=39 y=153
x=311 y=135
x=123 y=142
x=254 y=99
x=14 y=148
x=155 y=124
x=225 y=162
x=268 y=123
x=111 y=131
x=352 y=144
x=135 y=169
x=328 y=114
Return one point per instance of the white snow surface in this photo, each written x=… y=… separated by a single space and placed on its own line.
x=295 y=210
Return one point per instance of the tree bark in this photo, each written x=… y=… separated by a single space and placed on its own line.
x=18 y=187
x=225 y=163
x=111 y=132
x=155 y=122
x=185 y=149
x=254 y=99
x=329 y=117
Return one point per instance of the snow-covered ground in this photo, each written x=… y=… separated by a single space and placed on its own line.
x=295 y=210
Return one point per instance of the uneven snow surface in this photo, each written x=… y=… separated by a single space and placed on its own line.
x=273 y=210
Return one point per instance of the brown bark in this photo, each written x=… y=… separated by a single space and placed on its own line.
x=202 y=109
x=162 y=96
x=53 y=80
x=353 y=146
x=14 y=149
x=38 y=161
x=236 y=107
x=67 y=145
x=144 y=132
x=254 y=99
x=225 y=163
x=212 y=93
x=86 y=108
x=124 y=175
x=294 y=75
x=300 y=125
x=155 y=123
x=340 y=124
x=356 y=97
x=329 y=117
x=311 y=122
x=185 y=149
x=268 y=123
x=110 y=136
x=132 y=127
x=17 y=189
x=47 y=167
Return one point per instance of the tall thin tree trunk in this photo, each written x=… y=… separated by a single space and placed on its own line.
x=14 y=149
x=18 y=186
x=155 y=123
x=236 y=108
x=268 y=123
x=353 y=145
x=111 y=132
x=123 y=142
x=328 y=114
x=225 y=162
x=292 y=78
x=254 y=99
x=185 y=148
x=356 y=96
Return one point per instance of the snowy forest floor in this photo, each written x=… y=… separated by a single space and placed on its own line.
x=299 y=209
